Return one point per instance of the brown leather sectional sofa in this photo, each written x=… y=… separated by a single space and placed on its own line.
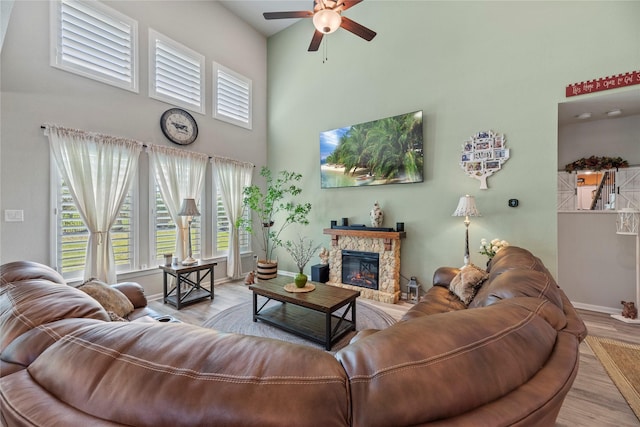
x=508 y=359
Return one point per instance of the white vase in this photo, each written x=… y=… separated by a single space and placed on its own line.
x=376 y=215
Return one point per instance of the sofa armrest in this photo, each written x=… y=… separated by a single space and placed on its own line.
x=444 y=275
x=134 y=292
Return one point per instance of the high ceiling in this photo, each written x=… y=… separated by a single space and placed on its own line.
x=251 y=11
x=627 y=101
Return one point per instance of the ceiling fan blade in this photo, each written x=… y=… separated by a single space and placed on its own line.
x=315 y=41
x=286 y=15
x=357 y=29
x=349 y=3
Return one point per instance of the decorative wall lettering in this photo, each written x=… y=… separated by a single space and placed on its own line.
x=604 y=83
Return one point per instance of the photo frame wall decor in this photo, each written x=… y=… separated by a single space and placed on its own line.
x=483 y=155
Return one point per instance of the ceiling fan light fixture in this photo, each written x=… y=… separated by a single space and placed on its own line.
x=327 y=21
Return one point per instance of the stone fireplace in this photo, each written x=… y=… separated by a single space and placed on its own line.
x=384 y=244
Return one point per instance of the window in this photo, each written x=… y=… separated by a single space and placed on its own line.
x=231 y=97
x=176 y=73
x=165 y=230
x=221 y=232
x=71 y=234
x=94 y=41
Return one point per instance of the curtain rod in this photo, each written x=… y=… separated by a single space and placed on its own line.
x=210 y=157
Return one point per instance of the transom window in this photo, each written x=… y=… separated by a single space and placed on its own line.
x=232 y=94
x=176 y=73
x=94 y=41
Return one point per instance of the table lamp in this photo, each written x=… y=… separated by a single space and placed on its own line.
x=189 y=209
x=466 y=208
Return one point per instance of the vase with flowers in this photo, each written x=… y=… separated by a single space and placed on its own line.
x=491 y=248
x=301 y=251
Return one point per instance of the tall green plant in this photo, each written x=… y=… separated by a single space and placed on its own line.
x=275 y=208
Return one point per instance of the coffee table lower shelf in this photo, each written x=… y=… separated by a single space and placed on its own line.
x=307 y=323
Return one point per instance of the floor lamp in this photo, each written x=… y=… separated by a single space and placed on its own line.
x=466 y=208
x=628 y=224
x=189 y=209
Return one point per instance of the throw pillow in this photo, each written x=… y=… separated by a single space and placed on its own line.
x=467 y=282
x=115 y=318
x=110 y=298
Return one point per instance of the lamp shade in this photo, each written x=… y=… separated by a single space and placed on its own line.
x=628 y=221
x=189 y=208
x=466 y=207
x=327 y=21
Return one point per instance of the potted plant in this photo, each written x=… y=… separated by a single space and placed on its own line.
x=275 y=209
x=301 y=252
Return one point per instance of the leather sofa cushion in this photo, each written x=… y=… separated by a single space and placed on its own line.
x=438 y=299
x=17 y=271
x=152 y=374
x=29 y=303
x=443 y=368
x=515 y=283
x=134 y=292
x=27 y=347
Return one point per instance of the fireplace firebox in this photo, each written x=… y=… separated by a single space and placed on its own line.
x=360 y=269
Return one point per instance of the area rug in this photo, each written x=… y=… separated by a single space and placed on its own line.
x=239 y=319
x=622 y=362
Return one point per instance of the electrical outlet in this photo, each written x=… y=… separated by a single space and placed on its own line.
x=13 y=215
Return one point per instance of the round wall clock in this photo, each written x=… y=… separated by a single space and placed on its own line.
x=179 y=126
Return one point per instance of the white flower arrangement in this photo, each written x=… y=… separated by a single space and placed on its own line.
x=491 y=248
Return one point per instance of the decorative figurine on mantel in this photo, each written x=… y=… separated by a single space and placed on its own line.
x=324 y=256
x=376 y=215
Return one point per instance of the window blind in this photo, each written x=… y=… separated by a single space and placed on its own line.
x=176 y=73
x=95 y=41
x=232 y=97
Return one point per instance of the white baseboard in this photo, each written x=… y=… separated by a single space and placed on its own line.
x=597 y=308
x=625 y=319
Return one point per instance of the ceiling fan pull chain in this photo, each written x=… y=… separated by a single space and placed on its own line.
x=325 y=49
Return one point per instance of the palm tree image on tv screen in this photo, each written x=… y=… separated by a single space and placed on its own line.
x=385 y=151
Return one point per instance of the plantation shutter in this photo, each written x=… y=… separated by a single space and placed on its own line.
x=95 y=41
x=232 y=97
x=176 y=73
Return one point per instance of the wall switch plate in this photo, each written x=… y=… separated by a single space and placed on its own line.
x=13 y=215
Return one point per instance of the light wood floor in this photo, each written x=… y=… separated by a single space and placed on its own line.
x=593 y=400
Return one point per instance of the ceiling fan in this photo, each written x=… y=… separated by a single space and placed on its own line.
x=327 y=17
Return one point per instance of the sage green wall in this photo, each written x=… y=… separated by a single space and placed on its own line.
x=470 y=66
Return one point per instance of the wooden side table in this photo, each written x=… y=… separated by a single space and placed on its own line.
x=193 y=290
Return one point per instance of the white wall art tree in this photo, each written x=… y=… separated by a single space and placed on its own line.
x=483 y=155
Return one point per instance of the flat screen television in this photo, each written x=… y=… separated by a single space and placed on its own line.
x=384 y=151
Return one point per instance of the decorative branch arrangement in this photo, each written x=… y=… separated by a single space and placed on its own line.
x=596 y=164
x=301 y=251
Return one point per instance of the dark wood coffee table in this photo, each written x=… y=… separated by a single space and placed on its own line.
x=309 y=315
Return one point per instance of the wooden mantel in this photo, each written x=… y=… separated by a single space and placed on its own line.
x=388 y=236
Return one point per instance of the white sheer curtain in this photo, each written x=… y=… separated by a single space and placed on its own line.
x=98 y=170
x=180 y=175
x=232 y=177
